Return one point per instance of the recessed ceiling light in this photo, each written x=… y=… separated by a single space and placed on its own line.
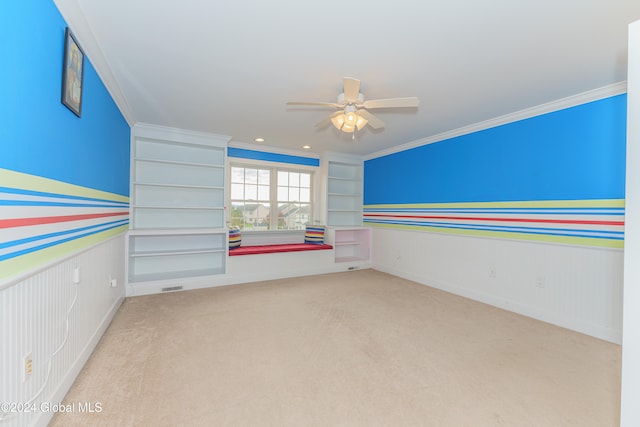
x=306 y=147
x=259 y=140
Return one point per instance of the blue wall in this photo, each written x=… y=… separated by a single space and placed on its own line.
x=572 y=154
x=38 y=134
x=272 y=157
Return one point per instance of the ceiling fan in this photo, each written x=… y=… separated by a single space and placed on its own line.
x=353 y=114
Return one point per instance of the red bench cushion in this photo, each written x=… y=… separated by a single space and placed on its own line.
x=270 y=249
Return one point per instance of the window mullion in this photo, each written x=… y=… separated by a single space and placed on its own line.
x=273 y=199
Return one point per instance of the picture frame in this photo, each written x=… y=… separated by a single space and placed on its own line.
x=72 y=74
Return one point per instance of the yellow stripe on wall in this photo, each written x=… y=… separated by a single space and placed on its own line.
x=581 y=241
x=14 y=267
x=23 y=181
x=599 y=203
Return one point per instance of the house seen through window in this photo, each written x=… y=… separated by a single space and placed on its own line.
x=264 y=198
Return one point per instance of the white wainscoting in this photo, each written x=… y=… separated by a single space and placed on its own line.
x=34 y=314
x=579 y=288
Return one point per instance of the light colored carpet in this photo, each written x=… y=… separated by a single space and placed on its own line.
x=361 y=348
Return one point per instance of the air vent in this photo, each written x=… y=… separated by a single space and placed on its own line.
x=172 y=288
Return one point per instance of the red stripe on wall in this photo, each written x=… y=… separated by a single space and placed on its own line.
x=23 y=222
x=552 y=221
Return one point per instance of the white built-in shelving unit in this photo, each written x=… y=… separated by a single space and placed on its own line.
x=344 y=196
x=350 y=244
x=177 y=204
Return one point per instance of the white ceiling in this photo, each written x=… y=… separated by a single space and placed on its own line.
x=229 y=67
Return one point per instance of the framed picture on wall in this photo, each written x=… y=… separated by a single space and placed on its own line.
x=72 y=74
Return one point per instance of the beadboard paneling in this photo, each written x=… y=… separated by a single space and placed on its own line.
x=576 y=287
x=59 y=323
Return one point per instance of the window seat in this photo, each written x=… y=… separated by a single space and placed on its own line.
x=270 y=249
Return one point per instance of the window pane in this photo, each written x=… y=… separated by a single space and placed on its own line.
x=305 y=195
x=237 y=191
x=305 y=180
x=237 y=214
x=263 y=176
x=283 y=178
x=251 y=176
x=237 y=174
x=294 y=194
x=251 y=192
x=294 y=179
x=250 y=216
x=259 y=216
x=283 y=194
x=263 y=192
x=293 y=216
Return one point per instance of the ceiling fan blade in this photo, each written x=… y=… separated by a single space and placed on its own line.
x=326 y=121
x=391 y=103
x=351 y=89
x=374 y=122
x=320 y=104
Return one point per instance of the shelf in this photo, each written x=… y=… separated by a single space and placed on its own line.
x=164 y=253
x=177 y=231
x=345 y=171
x=159 y=184
x=344 y=219
x=181 y=163
x=354 y=242
x=169 y=217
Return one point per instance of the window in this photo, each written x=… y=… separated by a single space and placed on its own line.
x=265 y=198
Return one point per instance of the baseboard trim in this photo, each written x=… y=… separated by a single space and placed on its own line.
x=44 y=418
x=606 y=334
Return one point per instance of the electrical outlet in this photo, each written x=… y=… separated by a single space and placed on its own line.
x=27 y=367
x=492 y=272
x=540 y=282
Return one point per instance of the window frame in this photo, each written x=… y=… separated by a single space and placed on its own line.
x=274 y=167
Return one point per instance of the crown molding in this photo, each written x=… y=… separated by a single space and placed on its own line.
x=549 y=107
x=180 y=135
x=72 y=12
x=337 y=156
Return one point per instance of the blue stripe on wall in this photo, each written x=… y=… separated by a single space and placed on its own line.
x=572 y=154
x=74 y=235
x=272 y=157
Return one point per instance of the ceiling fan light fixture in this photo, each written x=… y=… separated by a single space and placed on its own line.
x=338 y=121
x=349 y=121
x=348 y=128
x=361 y=122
